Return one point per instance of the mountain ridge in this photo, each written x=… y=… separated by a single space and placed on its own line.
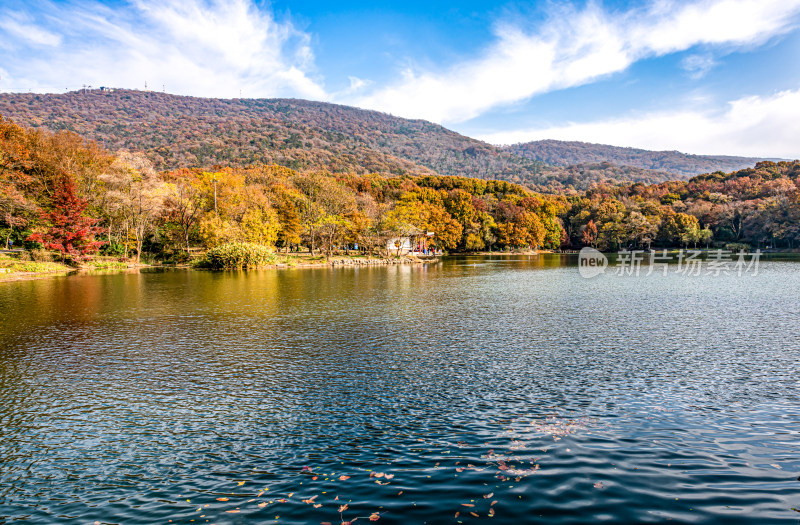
x=180 y=131
x=566 y=153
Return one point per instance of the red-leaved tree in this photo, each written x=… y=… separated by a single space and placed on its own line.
x=68 y=231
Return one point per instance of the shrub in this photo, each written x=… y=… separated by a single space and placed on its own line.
x=236 y=255
x=181 y=258
x=737 y=247
x=37 y=267
x=113 y=249
x=108 y=265
x=41 y=256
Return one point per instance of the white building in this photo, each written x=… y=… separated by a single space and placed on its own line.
x=398 y=245
x=418 y=244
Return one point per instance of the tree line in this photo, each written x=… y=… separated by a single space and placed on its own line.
x=62 y=192
x=67 y=194
x=757 y=207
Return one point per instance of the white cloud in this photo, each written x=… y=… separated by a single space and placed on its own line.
x=196 y=47
x=698 y=65
x=574 y=48
x=751 y=126
x=19 y=27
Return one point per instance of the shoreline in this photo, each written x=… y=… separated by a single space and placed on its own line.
x=290 y=261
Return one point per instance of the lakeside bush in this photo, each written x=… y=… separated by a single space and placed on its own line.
x=108 y=265
x=239 y=255
x=736 y=247
x=27 y=266
x=40 y=255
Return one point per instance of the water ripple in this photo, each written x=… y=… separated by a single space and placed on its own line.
x=511 y=387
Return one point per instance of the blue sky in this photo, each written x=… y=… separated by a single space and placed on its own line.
x=701 y=76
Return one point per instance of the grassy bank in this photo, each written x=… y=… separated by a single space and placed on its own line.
x=18 y=266
x=243 y=256
x=12 y=268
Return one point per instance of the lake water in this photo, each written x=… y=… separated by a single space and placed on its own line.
x=441 y=393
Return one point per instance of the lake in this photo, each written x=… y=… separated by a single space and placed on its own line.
x=478 y=389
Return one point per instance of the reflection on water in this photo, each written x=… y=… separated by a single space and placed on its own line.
x=505 y=386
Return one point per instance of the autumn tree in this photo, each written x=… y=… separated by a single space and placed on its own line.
x=290 y=226
x=185 y=202
x=589 y=234
x=16 y=209
x=66 y=228
x=136 y=195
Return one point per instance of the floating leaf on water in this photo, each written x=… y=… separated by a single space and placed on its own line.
x=317 y=505
x=475 y=514
x=489 y=495
x=599 y=485
x=467 y=505
x=291 y=494
x=775 y=465
x=457 y=514
x=342 y=508
x=374 y=516
x=222 y=499
x=342 y=478
x=311 y=499
x=241 y=483
x=389 y=476
x=306 y=469
x=315 y=478
x=400 y=493
x=492 y=504
x=232 y=511
x=262 y=504
x=491 y=513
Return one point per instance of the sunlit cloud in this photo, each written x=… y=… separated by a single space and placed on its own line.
x=195 y=47
x=751 y=126
x=576 y=47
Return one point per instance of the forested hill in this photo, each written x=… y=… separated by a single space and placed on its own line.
x=178 y=131
x=560 y=153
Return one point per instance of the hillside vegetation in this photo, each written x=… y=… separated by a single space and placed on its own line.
x=176 y=131
x=560 y=153
x=755 y=207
